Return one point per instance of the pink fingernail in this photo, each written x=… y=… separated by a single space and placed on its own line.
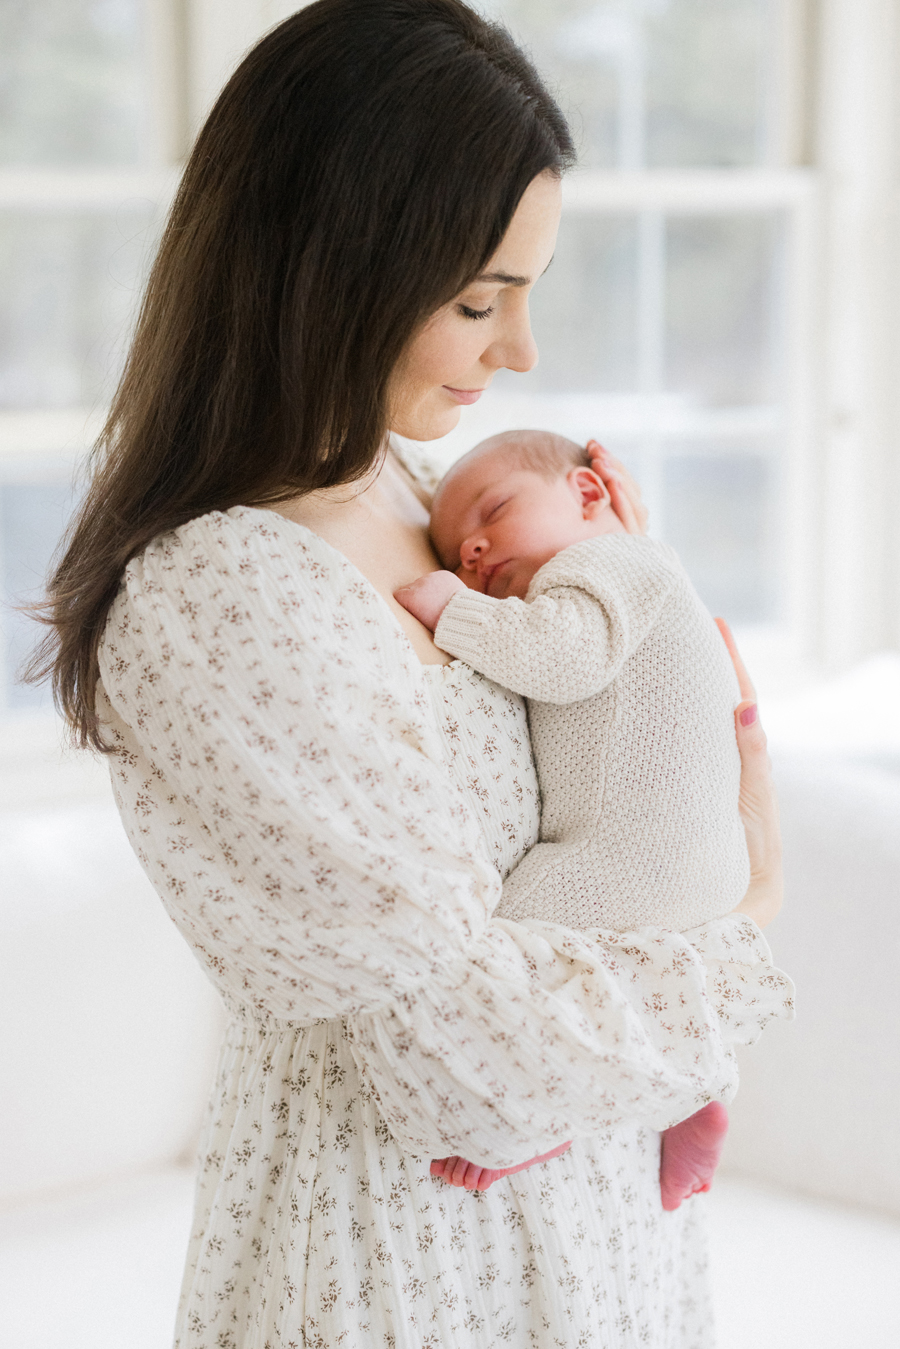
x=748 y=716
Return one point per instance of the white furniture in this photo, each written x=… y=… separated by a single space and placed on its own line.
x=819 y=1104
x=109 y=1035
x=109 y=1027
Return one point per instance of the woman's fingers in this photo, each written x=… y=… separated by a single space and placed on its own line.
x=614 y=465
x=623 y=490
x=757 y=801
x=622 y=505
x=757 y=791
x=745 y=683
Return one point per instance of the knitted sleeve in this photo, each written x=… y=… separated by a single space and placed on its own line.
x=281 y=779
x=586 y=612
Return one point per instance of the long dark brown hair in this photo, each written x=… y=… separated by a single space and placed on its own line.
x=357 y=171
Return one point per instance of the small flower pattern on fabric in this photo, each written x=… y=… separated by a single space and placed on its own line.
x=329 y=846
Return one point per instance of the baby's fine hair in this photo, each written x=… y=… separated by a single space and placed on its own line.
x=542 y=452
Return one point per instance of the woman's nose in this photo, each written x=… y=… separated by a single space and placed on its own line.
x=515 y=348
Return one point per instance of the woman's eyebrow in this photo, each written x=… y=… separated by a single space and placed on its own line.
x=505 y=279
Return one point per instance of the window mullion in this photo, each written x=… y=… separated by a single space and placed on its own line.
x=165 y=24
x=858 y=111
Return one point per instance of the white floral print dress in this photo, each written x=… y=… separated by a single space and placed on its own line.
x=326 y=822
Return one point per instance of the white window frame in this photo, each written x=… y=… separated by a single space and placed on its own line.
x=786 y=645
x=189 y=48
x=842 y=566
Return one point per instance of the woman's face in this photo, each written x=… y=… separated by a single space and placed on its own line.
x=454 y=356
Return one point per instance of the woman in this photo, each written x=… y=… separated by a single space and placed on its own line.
x=323 y=802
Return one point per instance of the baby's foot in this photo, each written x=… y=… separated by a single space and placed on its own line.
x=690 y=1154
x=457 y=1171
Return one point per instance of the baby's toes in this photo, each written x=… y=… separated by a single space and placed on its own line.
x=488 y=1177
x=473 y=1177
x=457 y=1170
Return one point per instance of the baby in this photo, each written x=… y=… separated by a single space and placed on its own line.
x=631 y=704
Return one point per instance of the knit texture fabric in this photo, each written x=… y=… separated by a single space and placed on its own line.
x=631 y=709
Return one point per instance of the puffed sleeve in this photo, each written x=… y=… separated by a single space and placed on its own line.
x=283 y=785
x=586 y=612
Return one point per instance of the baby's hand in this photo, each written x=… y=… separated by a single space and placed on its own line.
x=426 y=598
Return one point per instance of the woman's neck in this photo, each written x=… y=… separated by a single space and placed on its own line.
x=380 y=524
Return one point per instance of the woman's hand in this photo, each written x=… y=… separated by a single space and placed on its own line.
x=757 y=802
x=623 y=490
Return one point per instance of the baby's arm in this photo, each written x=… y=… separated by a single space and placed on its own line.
x=427 y=597
x=593 y=605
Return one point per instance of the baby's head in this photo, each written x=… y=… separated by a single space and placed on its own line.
x=511 y=504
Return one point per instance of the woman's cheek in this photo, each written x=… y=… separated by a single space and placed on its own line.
x=455 y=353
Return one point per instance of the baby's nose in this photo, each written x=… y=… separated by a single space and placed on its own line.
x=472 y=550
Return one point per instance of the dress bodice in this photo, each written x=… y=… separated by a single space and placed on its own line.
x=484 y=730
x=280 y=762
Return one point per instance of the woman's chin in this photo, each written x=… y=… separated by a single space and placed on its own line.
x=428 y=426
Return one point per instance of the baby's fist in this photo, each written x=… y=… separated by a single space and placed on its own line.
x=426 y=598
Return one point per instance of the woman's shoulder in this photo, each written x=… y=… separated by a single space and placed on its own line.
x=246 y=543
x=246 y=552
x=228 y=574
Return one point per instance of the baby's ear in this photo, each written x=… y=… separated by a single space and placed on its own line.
x=591 y=491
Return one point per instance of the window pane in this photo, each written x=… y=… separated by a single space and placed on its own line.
x=706 y=94
x=583 y=311
x=72 y=86
x=69 y=287
x=666 y=83
x=718 y=514
x=723 y=300
x=32 y=519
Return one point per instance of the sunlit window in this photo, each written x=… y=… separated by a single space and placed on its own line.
x=692 y=318
x=665 y=320
x=78 y=217
x=656 y=83
x=73 y=90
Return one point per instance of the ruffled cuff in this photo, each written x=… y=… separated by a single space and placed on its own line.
x=745 y=988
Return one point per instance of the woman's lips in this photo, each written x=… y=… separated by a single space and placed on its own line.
x=464 y=395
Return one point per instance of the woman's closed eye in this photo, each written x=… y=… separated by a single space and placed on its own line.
x=476 y=313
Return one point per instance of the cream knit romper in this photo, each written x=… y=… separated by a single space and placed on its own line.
x=631 y=708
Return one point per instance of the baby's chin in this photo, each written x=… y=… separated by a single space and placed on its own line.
x=513 y=584
x=515 y=588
